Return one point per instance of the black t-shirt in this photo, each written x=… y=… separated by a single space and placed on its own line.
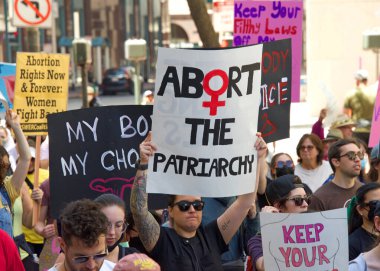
x=124 y=251
x=360 y=241
x=200 y=253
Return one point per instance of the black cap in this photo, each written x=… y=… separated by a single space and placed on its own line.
x=281 y=187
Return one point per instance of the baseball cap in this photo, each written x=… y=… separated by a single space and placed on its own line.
x=281 y=187
x=341 y=121
x=375 y=153
x=136 y=262
x=147 y=93
x=361 y=74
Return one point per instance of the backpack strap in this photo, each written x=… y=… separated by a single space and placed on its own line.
x=29 y=183
x=4 y=193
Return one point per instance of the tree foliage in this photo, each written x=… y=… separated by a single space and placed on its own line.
x=203 y=23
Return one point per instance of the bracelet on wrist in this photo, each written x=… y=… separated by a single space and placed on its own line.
x=140 y=166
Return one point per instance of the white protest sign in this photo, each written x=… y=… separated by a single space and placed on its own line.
x=312 y=241
x=204 y=121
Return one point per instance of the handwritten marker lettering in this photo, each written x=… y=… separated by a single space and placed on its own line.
x=215 y=103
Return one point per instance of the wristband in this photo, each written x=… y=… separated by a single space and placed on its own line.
x=140 y=166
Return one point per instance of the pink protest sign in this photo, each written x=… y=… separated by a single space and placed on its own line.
x=374 y=137
x=264 y=21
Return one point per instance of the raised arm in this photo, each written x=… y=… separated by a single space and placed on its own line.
x=23 y=148
x=147 y=226
x=263 y=172
x=230 y=221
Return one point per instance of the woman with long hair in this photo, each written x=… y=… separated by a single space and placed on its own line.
x=370 y=260
x=362 y=233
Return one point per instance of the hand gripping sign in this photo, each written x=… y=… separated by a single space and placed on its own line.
x=204 y=121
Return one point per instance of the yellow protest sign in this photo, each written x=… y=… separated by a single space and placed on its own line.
x=41 y=88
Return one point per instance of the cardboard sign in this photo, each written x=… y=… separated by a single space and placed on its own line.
x=264 y=21
x=205 y=121
x=7 y=84
x=49 y=253
x=93 y=151
x=276 y=90
x=374 y=136
x=308 y=241
x=41 y=89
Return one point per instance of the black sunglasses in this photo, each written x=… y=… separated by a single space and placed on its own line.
x=298 y=201
x=371 y=203
x=96 y=258
x=184 y=205
x=352 y=155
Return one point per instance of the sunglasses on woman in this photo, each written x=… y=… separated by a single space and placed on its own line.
x=298 y=201
x=184 y=205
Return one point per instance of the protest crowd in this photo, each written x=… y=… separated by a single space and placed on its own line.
x=192 y=187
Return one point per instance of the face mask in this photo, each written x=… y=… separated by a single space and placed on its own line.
x=284 y=171
x=363 y=163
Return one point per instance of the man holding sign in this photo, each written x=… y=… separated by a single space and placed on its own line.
x=188 y=245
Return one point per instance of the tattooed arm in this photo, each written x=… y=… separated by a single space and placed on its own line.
x=230 y=221
x=147 y=226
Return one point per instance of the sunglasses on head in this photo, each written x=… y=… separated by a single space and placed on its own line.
x=298 y=201
x=352 y=155
x=287 y=163
x=97 y=258
x=184 y=205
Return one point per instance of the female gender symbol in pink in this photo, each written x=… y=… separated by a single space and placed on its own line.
x=215 y=103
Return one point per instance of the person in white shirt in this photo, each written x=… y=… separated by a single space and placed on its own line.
x=312 y=169
x=83 y=238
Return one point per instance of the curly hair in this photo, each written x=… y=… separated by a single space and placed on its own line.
x=84 y=220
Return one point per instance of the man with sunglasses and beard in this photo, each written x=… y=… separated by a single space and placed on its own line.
x=344 y=157
x=83 y=238
x=188 y=245
x=285 y=195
